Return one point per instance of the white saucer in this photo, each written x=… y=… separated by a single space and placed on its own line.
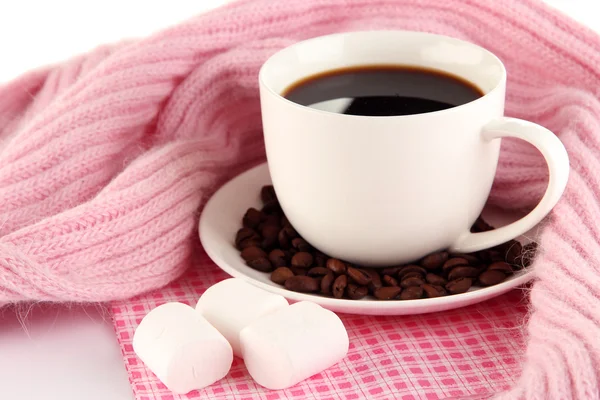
x=222 y=217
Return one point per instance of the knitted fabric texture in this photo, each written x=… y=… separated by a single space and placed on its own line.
x=106 y=159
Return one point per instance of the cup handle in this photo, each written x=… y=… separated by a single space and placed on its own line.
x=556 y=157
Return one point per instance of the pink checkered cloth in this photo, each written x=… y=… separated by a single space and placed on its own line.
x=472 y=351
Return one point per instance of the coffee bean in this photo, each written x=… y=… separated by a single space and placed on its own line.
x=435 y=279
x=503 y=247
x=412 y=281
x=412 y=275
x=459 y=285
x=411 y=268
x=281 y=274
x=375 y=279
x=252 y=218
x=317 y=272
x=389 y=281
x=481 y=226
x=359 y=276
x=252 y=253
x=501 y=266
x=336 y=266
x=453 y=262
x=271 y=208
x=303 y=284
x=320 y=259
x=269 y=243
x=300 y=244
x=302 y=260
x=391 y=271
x=299 y=271
x=530 y=247
x=387 y=292
x=463 y=272
x=260 y=264
x=267 y=194
x=491 y=277
x=525 y=259
x=290 y=232
x=283 y=239
x=326 y=283
x=244 y=235
x=356 y=292
x=250 y=243
x=412 y=293
x=269 y=234
x=481 y=267
x=496 y=255
x=278 y=258
x=528 y=254
x=271 y=219
x=339 y=286
x=484 y=255
x=513 y=252
x=432 y=291
x=471 y=259
x=435 y=260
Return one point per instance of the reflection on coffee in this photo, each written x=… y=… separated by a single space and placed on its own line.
x=382 y=90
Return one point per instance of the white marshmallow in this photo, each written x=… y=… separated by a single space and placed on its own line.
x=233 y=304
x=292 y=344
x=182 y=348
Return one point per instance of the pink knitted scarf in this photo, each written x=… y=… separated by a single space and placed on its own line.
x=105 y=159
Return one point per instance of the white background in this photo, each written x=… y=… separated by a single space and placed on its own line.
x=36 y=32
x=70 y=353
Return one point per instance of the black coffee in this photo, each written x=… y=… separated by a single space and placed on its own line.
x=382 y=91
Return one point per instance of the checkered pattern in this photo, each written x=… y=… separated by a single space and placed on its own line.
x=473 y=351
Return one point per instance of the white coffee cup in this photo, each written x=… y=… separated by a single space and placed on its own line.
x=387 y=190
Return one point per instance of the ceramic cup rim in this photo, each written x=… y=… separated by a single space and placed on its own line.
x=499 y=85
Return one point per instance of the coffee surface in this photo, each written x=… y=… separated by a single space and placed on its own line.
x=382 y=91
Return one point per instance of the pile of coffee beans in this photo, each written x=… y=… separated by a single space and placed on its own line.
x=270 y=244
